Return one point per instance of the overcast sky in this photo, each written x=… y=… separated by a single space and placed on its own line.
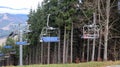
x=18 y=6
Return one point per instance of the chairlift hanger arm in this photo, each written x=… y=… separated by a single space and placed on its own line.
x=48 y=20
x=44 y=28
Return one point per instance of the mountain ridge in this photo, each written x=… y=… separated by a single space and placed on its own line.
x=7 y=20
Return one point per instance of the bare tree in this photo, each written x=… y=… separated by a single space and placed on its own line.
x=93 y=50
x=106 y=28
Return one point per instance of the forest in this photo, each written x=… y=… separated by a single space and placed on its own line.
x=87 y=30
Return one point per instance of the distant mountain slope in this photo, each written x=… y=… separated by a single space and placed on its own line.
x=7 y=20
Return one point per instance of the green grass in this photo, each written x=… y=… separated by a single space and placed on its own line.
x=87 y=64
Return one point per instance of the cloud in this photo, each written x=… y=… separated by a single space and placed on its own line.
x=20 y=6
x=13 y=8
x=14 y=11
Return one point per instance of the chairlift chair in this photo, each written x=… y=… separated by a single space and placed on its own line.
x=27 y=28
x=46 y=32
x=90 y=31
x=2 y=56
x=13 y=51
x=49 y=34
x=7 y=56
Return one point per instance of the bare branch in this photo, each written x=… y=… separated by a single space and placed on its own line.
x=113 y=23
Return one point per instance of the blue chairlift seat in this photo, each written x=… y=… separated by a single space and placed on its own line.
x=1 y=54
x=22 y=43
x=50 y=39
x=8 y=47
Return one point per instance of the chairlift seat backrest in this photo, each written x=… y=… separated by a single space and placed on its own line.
x=90 y=31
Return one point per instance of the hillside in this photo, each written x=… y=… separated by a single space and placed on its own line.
x=8 y=20
x=6 y=24
x=2 y=41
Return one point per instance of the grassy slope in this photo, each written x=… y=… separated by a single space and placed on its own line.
x=88 y=64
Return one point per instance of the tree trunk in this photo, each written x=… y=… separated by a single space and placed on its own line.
x=100 y=35
x=99 y=47
x=64 y=45
x=59 y=53
x=30 y=56
x=115 y=52
x=36 y=57
x=88 y=49
x=55 y=55
x=48 y=58
x=67 y=45
x=106 y=29
x=41 y=52
x=83 y=52
x=93 y=49
x=71 y=43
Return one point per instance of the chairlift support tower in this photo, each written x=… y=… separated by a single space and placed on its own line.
x=21 y=30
